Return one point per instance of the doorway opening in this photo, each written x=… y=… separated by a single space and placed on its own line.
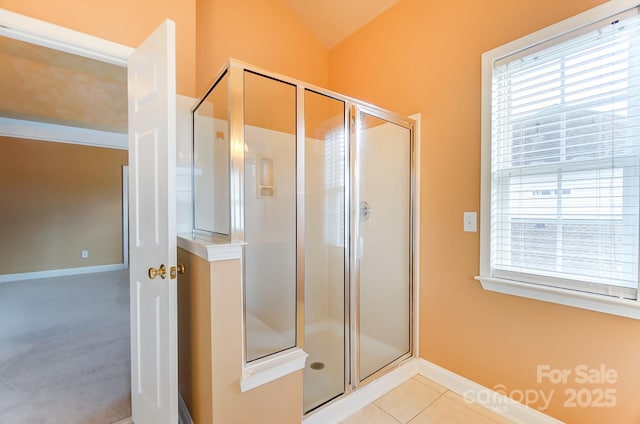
x=65 y=288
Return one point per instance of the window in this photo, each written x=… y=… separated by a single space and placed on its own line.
x=561 y=156
x=334 y=182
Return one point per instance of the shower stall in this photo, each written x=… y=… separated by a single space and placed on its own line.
x=319 y=187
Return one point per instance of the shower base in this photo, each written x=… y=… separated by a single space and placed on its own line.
x=325 y=343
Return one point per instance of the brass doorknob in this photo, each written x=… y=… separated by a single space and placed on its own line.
x=179 y=269
x=162 y=272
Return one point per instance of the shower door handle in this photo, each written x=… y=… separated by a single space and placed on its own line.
x=365 y=210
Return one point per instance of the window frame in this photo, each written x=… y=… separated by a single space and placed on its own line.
x=564 y=296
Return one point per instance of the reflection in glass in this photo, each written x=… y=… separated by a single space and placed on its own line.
x=270 y=215
x=325 y=149
x=384 y=217
x=211 y=161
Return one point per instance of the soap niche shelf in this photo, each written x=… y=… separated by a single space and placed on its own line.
x=266 y=177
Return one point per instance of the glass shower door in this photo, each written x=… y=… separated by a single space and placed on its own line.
x=381 y=216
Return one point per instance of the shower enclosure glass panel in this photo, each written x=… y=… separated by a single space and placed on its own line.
x=318 y=188
x=324 y=244
x=211 y=161
x=382 y=218
x=269 y=222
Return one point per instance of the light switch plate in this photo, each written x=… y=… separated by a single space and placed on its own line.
x=471 y=222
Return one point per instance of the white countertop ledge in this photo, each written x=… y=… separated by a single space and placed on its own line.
x=210 y=248
x=271 y=368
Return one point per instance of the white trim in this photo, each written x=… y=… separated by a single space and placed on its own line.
x=483 y=396
x=33 y=130
x=125 y=215
x=124 y=421
x=211 y=248
x=485 y=164
x=6 y=278
x=271 y=368
x=184 y=417
x=416 y=236
x=593 y=302
x=56 y=37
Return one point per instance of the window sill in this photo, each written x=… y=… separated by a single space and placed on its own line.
x=592 y=302
x=271 y=368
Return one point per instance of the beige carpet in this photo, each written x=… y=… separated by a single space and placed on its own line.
x=64 y=350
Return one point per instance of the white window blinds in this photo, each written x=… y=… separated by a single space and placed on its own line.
x=334 y=183
x=565 y=160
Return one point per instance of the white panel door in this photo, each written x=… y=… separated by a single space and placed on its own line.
x=152 y=161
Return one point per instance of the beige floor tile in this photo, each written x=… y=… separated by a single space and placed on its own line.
x=448 y=410
x=481 y=410
x=407 y=400
x=430 y=383
x=370 y=414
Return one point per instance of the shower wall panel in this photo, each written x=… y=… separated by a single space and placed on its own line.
x=271 y=245
x=211 y=170
x=269 y=215
x=316 y=247
x=324 y=248
x=204 y=129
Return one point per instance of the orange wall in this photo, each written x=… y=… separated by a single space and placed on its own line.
x=425 y=56
x=61 y=199
x=264 y=33
x=125 y=22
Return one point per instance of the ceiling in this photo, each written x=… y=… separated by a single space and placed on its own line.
x=334 y=20
x=47 y=85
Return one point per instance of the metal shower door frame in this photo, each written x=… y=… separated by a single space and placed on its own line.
x=356 y=108
x=235 y=69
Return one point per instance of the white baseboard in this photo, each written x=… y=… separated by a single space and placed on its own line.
x=59 y=272
x=483 y=396
x=124 y=421
x=184 y=417
x=490 y=399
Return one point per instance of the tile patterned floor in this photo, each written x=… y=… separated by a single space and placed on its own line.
x=421 y=401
